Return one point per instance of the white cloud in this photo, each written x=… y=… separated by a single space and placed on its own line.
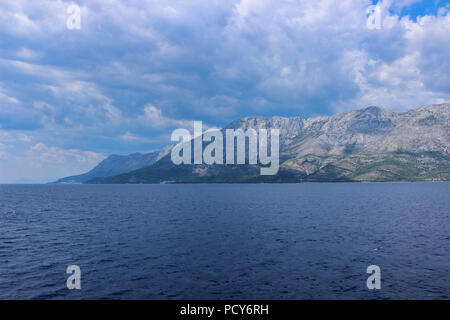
x=5 y=98
x=3 y=153
x=129 y=137
x=27 y=54
x=40 y=154
x=153 y=117
x=289 y=53
x=42 y=163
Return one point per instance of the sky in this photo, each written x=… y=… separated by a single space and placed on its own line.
x=136 y=70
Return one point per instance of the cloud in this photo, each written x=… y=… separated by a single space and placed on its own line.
x=153 y=117
x=3 y=153
x=138 y=69
x=22 y=161
x=129 y=137
x=26 y=54
x=5 y=99
x=290 y=54
x=40 y=154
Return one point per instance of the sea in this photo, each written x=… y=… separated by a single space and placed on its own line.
x=226 y=241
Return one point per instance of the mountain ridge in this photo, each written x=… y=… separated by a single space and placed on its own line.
x=369 y=144
x=113 y=165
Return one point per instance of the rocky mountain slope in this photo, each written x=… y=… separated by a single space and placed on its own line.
x=114 y=165
x=371 y=144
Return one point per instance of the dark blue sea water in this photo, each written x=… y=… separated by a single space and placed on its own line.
x=252 y=241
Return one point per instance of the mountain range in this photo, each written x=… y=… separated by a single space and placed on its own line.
x=370 y=144
x=114 y=165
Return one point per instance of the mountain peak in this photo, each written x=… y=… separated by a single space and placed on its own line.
x=113 y=165
x=372 y=109
x=370 y=144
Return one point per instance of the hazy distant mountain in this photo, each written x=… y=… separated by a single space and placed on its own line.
x=114 y=165
x=371 y=144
